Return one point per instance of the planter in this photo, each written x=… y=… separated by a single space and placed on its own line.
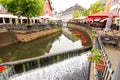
x=100 y=66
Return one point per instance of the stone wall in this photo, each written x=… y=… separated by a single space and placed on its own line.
x=7 y=38
x=31 y=36
x=84 y=32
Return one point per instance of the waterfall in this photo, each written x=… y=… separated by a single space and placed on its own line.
x=76 y=68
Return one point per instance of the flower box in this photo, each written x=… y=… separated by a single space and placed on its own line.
x=100 y=66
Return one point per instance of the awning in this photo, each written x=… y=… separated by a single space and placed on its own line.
x=7 y=16
x=104 y=20
x=54 y=18
x=102 y=15
x=45 y=16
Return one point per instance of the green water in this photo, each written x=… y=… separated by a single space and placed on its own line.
x=52 y=44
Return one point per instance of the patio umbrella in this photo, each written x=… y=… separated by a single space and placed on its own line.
x=102 y=15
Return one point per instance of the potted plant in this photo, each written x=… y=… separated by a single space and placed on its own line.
x=96 y=57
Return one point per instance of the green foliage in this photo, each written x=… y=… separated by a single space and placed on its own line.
x=95 y=55
x=94 y=35
x=85 y=12
x=27 y=8
x=76 y=14
x=97 y=7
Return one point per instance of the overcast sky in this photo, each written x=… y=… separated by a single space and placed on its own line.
x=61 y=5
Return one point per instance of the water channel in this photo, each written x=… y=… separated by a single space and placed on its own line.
x=74 y=68
x=55 y=43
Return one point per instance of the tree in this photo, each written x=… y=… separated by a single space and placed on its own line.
x=76 y=14
x=97 y=7
x=85 y=12
x=27 y=8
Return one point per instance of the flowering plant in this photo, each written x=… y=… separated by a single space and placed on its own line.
x=3 y=68
x=95 y=55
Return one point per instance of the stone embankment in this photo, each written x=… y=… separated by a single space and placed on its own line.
x=9 y=37
x=39 y=34
x=84 y=32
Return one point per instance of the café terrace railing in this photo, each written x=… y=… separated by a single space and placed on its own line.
x=25 y=27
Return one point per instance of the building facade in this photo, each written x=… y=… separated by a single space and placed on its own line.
x=47 y=12
x=47 y=8
x=67 y=14
x=5 y=17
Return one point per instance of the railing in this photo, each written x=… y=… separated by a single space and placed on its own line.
x=23 y=27
x=108 y=72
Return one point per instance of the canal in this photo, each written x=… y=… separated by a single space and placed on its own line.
x=52 y=44
x=70 y=68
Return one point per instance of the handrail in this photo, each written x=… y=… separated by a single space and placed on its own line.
x=108 y=71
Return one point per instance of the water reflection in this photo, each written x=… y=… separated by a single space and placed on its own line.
x=54 y=43
x=64 y=44
x=27 y=50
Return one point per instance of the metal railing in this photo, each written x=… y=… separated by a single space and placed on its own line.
x=108 y=72
x=24 y=27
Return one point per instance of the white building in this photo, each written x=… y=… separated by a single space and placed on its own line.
x=67 y=14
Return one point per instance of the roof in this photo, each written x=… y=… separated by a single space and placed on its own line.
x=73 y=8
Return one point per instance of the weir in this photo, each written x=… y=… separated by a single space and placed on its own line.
x=21 y=66
x=31 y=64
x=75 y=68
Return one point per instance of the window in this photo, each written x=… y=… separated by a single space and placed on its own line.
x=46 y=11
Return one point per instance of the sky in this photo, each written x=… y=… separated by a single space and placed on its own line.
x=61 y=5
